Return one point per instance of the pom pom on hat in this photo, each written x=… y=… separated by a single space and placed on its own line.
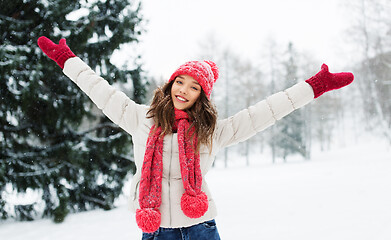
x=204 y=72
x=194 y=206
x=214 y=69
x=148 y=219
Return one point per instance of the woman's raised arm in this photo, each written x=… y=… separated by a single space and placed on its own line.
x=115 y=104
x=264 y=114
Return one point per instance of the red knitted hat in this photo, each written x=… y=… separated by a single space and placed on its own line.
x=204 y=72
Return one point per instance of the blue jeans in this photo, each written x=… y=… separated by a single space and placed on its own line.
x=202 y=231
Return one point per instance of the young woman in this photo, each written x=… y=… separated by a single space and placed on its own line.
x=177 y=137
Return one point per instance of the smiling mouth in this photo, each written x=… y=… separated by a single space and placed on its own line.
x=181 y=99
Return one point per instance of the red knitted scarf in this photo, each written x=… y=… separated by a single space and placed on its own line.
x=194 y=202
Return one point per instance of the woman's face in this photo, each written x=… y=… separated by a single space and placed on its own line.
x=185 y=91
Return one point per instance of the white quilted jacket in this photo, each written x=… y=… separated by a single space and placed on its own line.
x=132 y=118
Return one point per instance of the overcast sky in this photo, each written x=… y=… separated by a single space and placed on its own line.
x=175 y=28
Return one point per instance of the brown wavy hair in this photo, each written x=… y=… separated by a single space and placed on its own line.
x=203 y=115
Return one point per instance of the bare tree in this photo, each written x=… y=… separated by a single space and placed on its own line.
x=372 y=35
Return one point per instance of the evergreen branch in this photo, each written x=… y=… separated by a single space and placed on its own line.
x=15 y=129
x=108 y=165
x=65 y=97
x=105 y=18
x=11 y=19
x=103 y=139
x=23 y=164
x=45 y=171
x=92 y=199
x=38 y=152
x=97 y=127
x=123 y=157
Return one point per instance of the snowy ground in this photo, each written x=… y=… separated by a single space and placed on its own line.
x=341 y=195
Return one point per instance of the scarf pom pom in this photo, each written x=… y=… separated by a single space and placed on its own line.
x=148 y=219
x=194 y=206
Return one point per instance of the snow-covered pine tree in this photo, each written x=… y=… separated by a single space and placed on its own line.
x=44 y=146
x=290 y=130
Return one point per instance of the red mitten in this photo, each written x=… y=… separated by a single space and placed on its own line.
x=57 y=52
x=325 y=81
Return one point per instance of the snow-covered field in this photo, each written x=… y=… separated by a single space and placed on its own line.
x=344 y=194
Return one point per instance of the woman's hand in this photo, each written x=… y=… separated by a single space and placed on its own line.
x=57 y=52
x=325 y=81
